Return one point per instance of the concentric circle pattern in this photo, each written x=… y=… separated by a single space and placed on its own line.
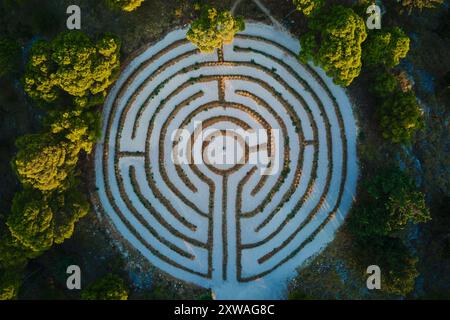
x=242 y=228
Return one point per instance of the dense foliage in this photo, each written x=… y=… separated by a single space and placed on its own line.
x=9 y=284
x=400 y=117
x=390 y=201
x=308 y=7
x=74 y=65
x=44 y=163
x=213 y=29
x=334 y=42
x=420 y=4
x=10 y=54
x=385 y=84
x=398 y=266
x=385 y=47
x=110 y=287
x=125 y=5
x=38 y=220
x=81 y=128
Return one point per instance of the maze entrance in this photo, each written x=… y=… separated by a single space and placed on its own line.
x=239 y=229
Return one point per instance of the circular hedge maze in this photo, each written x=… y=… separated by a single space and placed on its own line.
x=239 y=228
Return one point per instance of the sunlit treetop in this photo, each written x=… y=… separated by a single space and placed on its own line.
x=72 y=64
x=334 y=43
x=39 y=220
x=308 y=7
x=126 y=5
x=213 y=29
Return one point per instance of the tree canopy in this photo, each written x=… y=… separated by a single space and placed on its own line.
x=308 y=7
x=385 y=47
x=400 y=117
x=43 y=162
x=398 y=266
x=125 y=5
x=385 y=84
x=38 y=220
x=10 y=54
x=80 y=128
x=72 y=64
x=213 y=29
x=334 y=43
x=420 y=4
x=110 y=287
x=391 y=201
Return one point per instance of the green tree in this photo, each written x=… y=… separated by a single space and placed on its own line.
x=384 y=84
x=334 y=42
x=110 y=287
x=385 y=47
x=38 y=220
x=43 y=162
x=420 y=4
x=10 y=281
x=400 y=116
x=12 y=254
x=397 y=265
x=213 y=29
x=81 y=128
x=72 y=64
x=391 y=201
x=308 y=7
x=125 y=5
x=10 y=53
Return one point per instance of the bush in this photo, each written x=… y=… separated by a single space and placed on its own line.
x=110 y=287
x=213 y=29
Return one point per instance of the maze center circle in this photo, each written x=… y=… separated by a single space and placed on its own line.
x=228 y=170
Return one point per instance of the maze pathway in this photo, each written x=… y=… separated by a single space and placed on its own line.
x=241 y=229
